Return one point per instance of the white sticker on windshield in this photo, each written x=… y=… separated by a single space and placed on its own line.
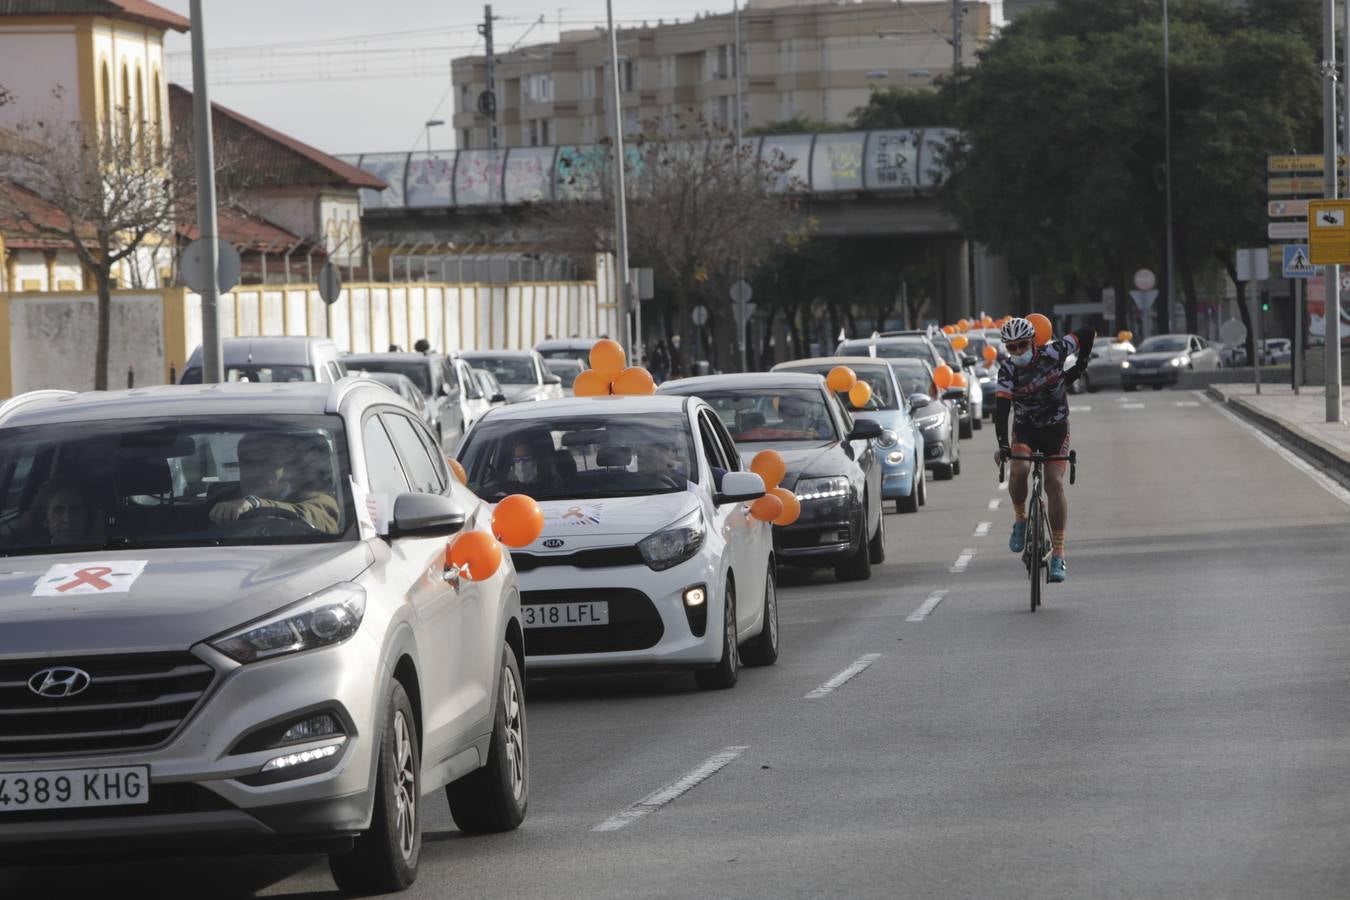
x=69 y=579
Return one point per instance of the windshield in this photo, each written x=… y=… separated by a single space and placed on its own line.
x=162 y=482
x=913 y=379
x=948 y=354
x=1163 y=343
x=567 y=370
x=764 y=415
x=580 y=457
x=580 y=354
x=418 y=372
x=883 y=393
x=255 y=374
x=508 y=369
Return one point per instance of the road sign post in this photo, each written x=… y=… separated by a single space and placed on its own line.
x=1253 y=265
x=741 y=292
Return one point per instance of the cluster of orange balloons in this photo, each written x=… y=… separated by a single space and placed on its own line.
x=1125 y=336
x=607 y=374
x=843 y=380
x=516 y=522
x=1044 y=331
x=779 y=505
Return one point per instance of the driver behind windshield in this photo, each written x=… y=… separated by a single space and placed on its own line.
x=661 y=459
x=281 y=472
x=800 y=414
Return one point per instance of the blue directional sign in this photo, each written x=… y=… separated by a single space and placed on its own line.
x=1296 y=262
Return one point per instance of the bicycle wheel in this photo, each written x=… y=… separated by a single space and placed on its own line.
x=1035 y=551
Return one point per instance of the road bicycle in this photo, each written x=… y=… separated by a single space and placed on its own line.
x=1036 y=551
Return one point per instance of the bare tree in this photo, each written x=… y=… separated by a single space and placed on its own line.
x=700 y=208
x=110 y=194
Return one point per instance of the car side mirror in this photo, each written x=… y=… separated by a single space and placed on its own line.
x=445 y=389
x=865 y=430
x=739 y=487
x=552 y=379
x=425 y=515
x=954 y=393
x=968 y=361
x=499 y=397
x=918 y=399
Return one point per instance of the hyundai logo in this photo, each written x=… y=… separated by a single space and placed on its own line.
x=59 y=681
x=553 y=543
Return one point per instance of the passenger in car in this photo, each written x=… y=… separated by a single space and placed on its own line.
x=286 y=472
x=62 y=515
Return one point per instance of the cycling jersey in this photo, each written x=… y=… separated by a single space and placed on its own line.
x=1038 y=391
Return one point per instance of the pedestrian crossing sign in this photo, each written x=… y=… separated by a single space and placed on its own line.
x=1296 y=262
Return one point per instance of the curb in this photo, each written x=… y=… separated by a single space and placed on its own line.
x=1310 y=447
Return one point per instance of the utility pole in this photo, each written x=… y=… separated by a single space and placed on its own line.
x=486 y=31
x=1167 y=163
x=620 y=200
x=1332 y=309
x=204 y=151
x=742 y=325
x=957 y=14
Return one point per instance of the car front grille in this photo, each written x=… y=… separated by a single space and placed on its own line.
x=598 y=558
x=132 y=702
x=634 y=623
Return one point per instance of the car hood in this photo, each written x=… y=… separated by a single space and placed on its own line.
x=579 y=524
x=181 y=596
x=517 y=393
x=803 y=459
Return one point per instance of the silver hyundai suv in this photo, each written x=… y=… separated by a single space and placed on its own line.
x=226 y=617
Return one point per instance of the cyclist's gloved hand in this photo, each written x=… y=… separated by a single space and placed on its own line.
x=1002 y=453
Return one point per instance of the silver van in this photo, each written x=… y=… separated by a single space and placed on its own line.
x=272 y=359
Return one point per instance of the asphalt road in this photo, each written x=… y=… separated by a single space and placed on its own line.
x=1173 y=722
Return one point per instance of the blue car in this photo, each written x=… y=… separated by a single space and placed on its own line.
x=900 y=447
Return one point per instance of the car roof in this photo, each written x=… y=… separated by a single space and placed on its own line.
x=567 y=343
x=566 y=363
x=741 y=380
x=581 y=406
x=266 y=351
x=391 y=357
x=850 y=361
x=240 y=398
x=899 y=339
x=499 y=354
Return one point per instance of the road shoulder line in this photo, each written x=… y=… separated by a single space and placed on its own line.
x=855 y=668
x=673 y=791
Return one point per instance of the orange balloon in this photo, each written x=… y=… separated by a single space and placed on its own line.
x=949 y=329
x=458 y=469
x=477 y=551
x=608 y=357
x=963 y=326
x=1125 y=336
x=942 y=376
x=1044 y=330
x=591 y=383
x=960 y=342
x=959 y=380
x=635 y=381
x=517 y=521
x=792 y=507
x=990 y=354
x=859 y=394
x=987 y=322
x=769 y=465
x=767 y=508
x=841 y=378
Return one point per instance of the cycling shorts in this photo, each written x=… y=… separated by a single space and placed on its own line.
x=1052 y=440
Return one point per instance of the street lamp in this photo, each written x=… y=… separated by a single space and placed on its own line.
x=432 y=123
x=1167 y=159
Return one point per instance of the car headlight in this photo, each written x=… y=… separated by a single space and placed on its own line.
x=673 y=544
x=1125 y=364
x=822 y=488
x=985 y=379
x=1176 y=361
x=888 y=438
x=321 y=620
x=931 y=421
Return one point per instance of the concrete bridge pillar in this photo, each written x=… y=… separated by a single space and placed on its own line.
x=957 y=299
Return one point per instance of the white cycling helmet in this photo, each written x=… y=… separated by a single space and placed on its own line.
x=1017 y=329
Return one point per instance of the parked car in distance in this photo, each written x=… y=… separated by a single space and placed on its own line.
x=270 y=360
x=918 y=345
x=1162 y=358
x=453 y=397
x=261 y=662
x=963 y=361
x=567 y=370
x=900 y=447
x=404 y=387
x=832 y=466
x=1103 y=368
x=521 y=374
x=935 y=417
x=487 y=382
x=567 y=348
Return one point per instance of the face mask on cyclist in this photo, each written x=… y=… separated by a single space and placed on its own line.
x=1022 y=360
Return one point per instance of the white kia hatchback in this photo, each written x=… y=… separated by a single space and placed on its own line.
x=649 y=555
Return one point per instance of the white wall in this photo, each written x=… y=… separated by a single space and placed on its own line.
x=52 y=341
x=38 y=66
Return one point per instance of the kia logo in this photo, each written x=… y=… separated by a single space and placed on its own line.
x=59 y=681
x=553 y=543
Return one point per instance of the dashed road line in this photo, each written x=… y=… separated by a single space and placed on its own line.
x=855 y=668
x=982 y=529
x=1327 y=483
x=1080 y=408
x=928 y=606
x=993 y=504
x=1131 y=406
x=673 y=791
x=1188 y=403
x=963 y=560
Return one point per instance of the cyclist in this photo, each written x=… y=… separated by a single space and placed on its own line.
x=1033 y=385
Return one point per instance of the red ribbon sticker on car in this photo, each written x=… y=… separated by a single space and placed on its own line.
x=69 y=579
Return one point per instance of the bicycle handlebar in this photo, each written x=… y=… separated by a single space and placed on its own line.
x=1071 y=459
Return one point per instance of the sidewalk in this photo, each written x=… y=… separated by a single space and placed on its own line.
x=1298 y=421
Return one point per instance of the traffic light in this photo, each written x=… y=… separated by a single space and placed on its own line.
x=1265 y=306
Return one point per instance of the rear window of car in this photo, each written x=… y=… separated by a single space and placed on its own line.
x=417 y=372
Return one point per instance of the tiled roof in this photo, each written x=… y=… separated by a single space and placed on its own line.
x=18 y=233
x=247 y=231
x=273 y=157
x=136 y=10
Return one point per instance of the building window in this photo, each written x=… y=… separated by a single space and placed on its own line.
x=545 y=136
x=126 y=104
x=140 y=112
x=465 y=138
x=466 y=103
x=627 y=74
x=107 y=105
x=631 y=123
x=157 y=124
x=538 y=89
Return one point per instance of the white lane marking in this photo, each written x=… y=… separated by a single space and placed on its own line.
x=673 y=791
x=963 y=560
x=1188 y=403
x=993 y=504
x=928 y=606
x=982 y=529
x=1131 y=406
x=856 y=667
x=1329 y=484
x=1080 y=408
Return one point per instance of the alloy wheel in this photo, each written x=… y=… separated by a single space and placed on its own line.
x=405 y=785
x=515 y=731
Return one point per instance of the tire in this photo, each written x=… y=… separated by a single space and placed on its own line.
x=966 y=429
x=956 y=466
x=977 y=422
x=858 y=566
x=762 y=649
x=876 y=545
x=910 y=504
x=384 y=858
x=944 y=472
x=923 y=488
x=724 y=674
x=495 y=797
x=1034 y=548
x=1129 y=387
x=1088 y=385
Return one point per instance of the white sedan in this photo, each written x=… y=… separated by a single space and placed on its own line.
x=649 y=555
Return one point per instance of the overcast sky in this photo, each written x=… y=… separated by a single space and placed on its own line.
x=351 y=76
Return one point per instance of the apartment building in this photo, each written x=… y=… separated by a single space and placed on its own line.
x=799 y=57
